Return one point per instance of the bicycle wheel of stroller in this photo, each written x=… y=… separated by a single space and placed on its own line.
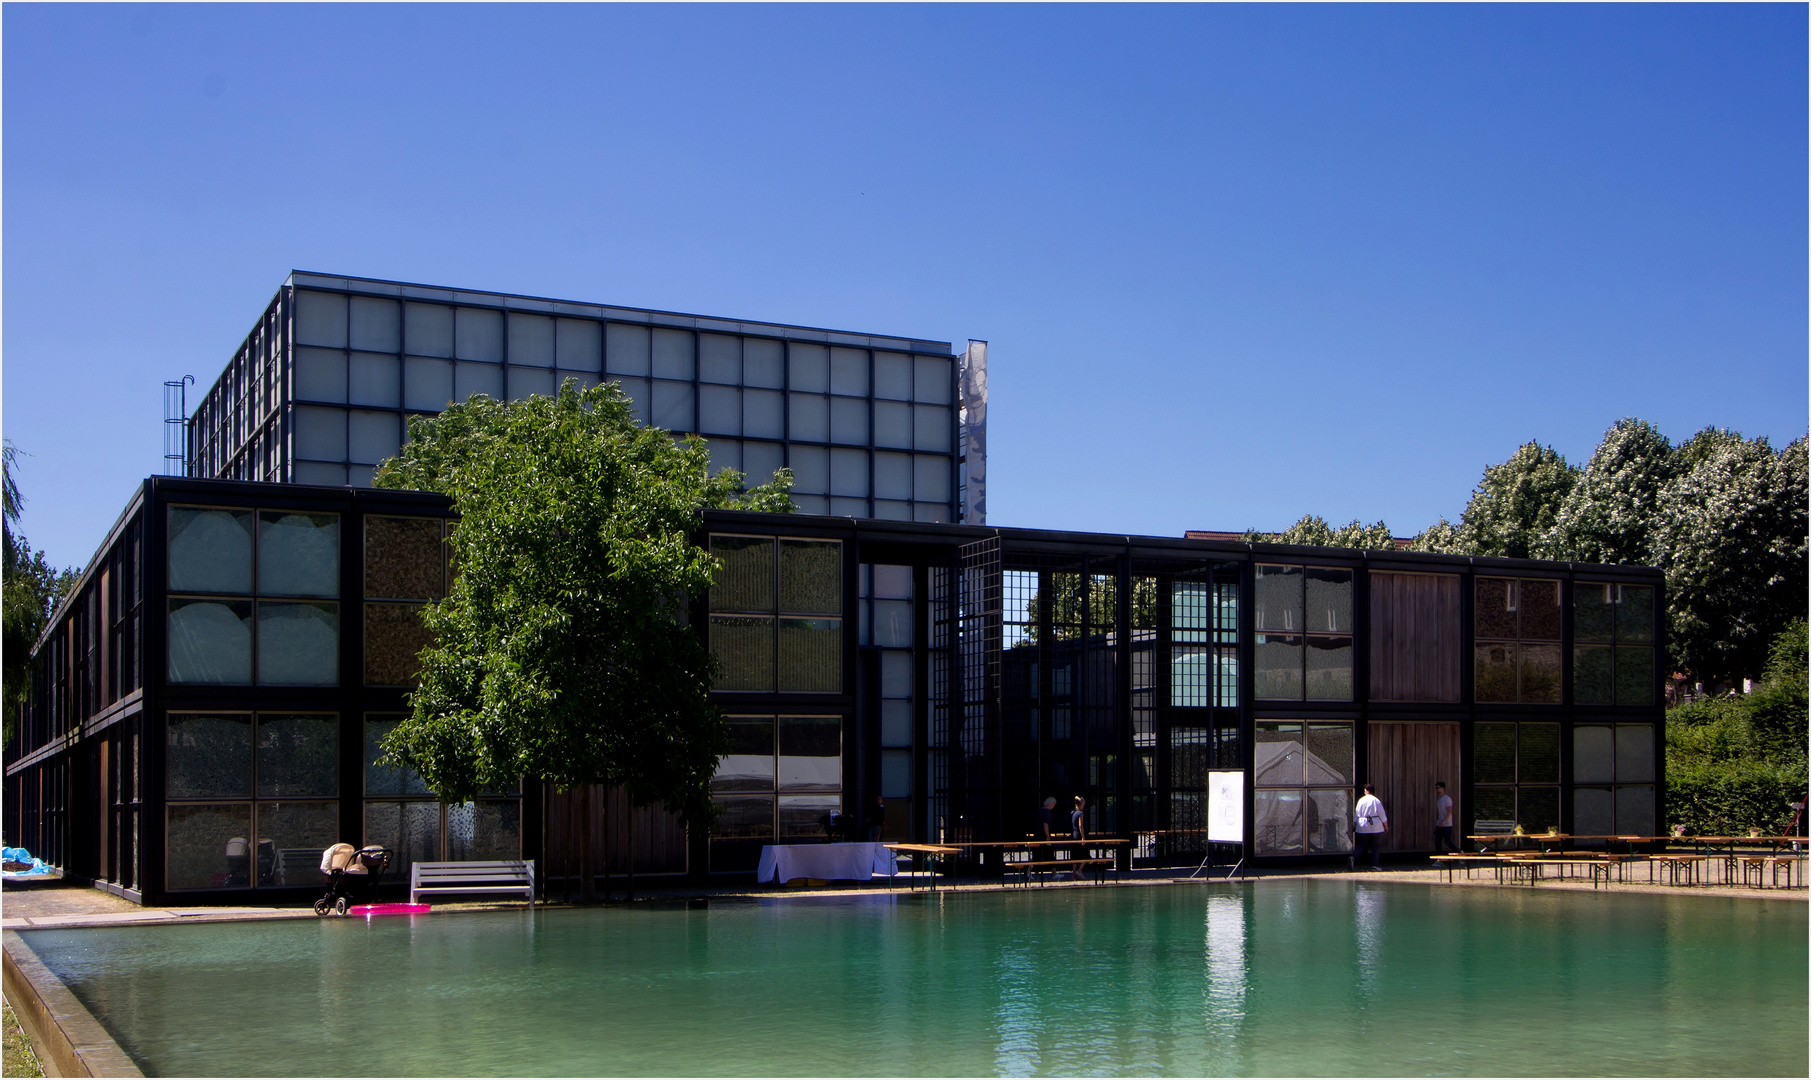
x=322 y=906
x=339 y=906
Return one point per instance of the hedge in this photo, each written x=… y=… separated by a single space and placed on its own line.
x=1729 y=798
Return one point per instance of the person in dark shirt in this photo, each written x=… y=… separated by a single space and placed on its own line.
x=876 y=819
x=1076 y=828
x=1044 y=813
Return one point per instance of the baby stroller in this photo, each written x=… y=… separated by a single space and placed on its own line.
x=350 y=870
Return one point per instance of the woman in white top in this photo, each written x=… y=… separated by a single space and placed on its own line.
x=1372 y=824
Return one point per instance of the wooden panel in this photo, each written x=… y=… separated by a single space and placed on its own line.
x=1415 y=637
x=1406 y=761
x=659 y=838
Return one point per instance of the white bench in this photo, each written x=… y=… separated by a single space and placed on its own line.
x=507 y=876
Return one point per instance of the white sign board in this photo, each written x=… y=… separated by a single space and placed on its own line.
x=1226 y=807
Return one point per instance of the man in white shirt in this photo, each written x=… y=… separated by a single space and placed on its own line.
x=1443 y=829
x=1372 y=824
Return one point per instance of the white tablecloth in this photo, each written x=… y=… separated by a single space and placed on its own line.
x=826 y=862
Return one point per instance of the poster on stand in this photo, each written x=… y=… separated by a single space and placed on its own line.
x=1226 y=807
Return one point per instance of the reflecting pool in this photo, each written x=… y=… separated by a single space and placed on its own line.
x=1277 y=978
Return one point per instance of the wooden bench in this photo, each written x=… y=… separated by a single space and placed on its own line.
x=1469 y=860
x=1076 y=866
x=1677 y=866
x=502 y=876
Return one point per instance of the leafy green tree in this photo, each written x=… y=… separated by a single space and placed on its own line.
x=32 y=588
x=561 y=651
x=1313 y=531
x=1515 y=504
x=1608 y=515
x=1442 y=538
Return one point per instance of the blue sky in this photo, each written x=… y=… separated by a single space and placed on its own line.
x=1236 y=264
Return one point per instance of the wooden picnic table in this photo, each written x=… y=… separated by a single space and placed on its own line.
x=932 y=852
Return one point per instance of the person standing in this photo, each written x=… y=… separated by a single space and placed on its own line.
x=1373 y=822
x=1076 y=829
x=1443 y=815
x=1044 y=813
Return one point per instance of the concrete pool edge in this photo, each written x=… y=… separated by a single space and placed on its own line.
x=68 y=1039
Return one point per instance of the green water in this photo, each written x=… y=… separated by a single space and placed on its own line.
x=1277 y=978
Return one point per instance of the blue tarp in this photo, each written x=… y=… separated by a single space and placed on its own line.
x=20 y=855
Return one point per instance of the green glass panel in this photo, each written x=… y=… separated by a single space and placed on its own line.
x=1593 y=613
x=1493 y=677
x=1493 y=754
x=1539 y=601
x=1593 y=680
x=1537 y=761
x=1540 y=674
x=1634 y=675
x=811 y=656
x=1494 y=609
x=743 y=647
x=746 y=581
x=1635 y=614
x=1537 y=808
x=811 y=577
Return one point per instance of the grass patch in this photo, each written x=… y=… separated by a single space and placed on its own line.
x=16 y=1056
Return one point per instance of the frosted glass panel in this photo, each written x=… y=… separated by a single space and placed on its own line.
x=763 y=414
x=931 y=478
x=361 y=476
x=210 y=641
x=725 y=454
x=394 y=638
x=719 y=358
x=930 y=428
x=376 y=380
x=720 y=410
x=856 y=508
x=524 y=381
x=208 y=756
x=373 y=436
x=428 y=329
x=530 y=340
x=298 y=756
x=892 y=511
x=811 y=504
x=580 y=345
x=763 y=363
x=849 y=420
x=810 y=417
x=469 y=379
x=320 y=319
x=893 y=376
x=892 y=476
x=584 y=379
x=427 y=384
x=320 y=375
x=478 y=335
x=934 y=513
x=849 y=473
x=298 y=554
x=387 y=779
x=760 y=460
x=673 y=354
x=810 y=470
x=639 y=397
x=313 y=472
x=896 y=774
x=298 y=644
x=932 y=381
x=626 y=349
x=849 y=372
x=320 y=433
x=673 y=406
x=809 y=367
x=210 y=550
x=206 y=846
x=376 y=325
x=892 y=424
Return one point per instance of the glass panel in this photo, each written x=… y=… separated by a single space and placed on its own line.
x=811 y=577
x=210 y=550
x=887 y=510
x=627 y=350
x=394 y=639
x=298 y=757
x=720 y=410
x=1493 y=754
x=428 y=329
x=1190 y=672
x=931 y=478
x=1329 y=669
x=1278 y=667
x=1635 y=613
x=320 y=375
x=893 y=376
x=808 y=368
x=298 y=644
x=311 y=472
x=746 y=581
x=849 y=473
x=1594 y=812
x=809 y=504
x=209 y=756
x=724 y=454
x=383 y=779
x=895 y=723
x=811 y=655
x=491 y=829
x=849 y=420
x=1537 y=809
x=1329 y=820
x=1493 y=804
x=743 y=647
x=320 y=319
x=427 y=384
x=1634 y=753
x=1278 y=598
x=673 y=406
x=892 y=425
x=411 y=830
x=376 y=379
x=1494 y=612
x=1493 y=679
x=376 y=324
x=291 y=837
x=1593 y=615
x=320 y=433
x=530 y=339
x=673 y=354
x=404 y=559
x=719 y=359
x=896 y=675
x=298 y=554
x=1592 y=683
x=1329 y=601
x=579 y=345
x=1328 y=758
x=896 y=774
x=763 y=363
x=1538 y=761
x=478 y=335
x=893 y=624
x=1277 y=759
x=208 y=847
x=749 y=765
x=211 y=641
x=471 y=378
x=372 y=436
x=1539 y=601
x=639 y=396
x=1540 y=683
x=806 y=815
x=931 y=428
x=1277 y=821
x=1593 y=754
x=808 y=417
x=893 y=582
x=1635 y=811
x=760 y=460
x=1634 y=675
x=524 y=381
x=743 y=817
x=932 y=380
x=764 y=414
x=849 y=372
x=811 y=474
x=811 y=753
